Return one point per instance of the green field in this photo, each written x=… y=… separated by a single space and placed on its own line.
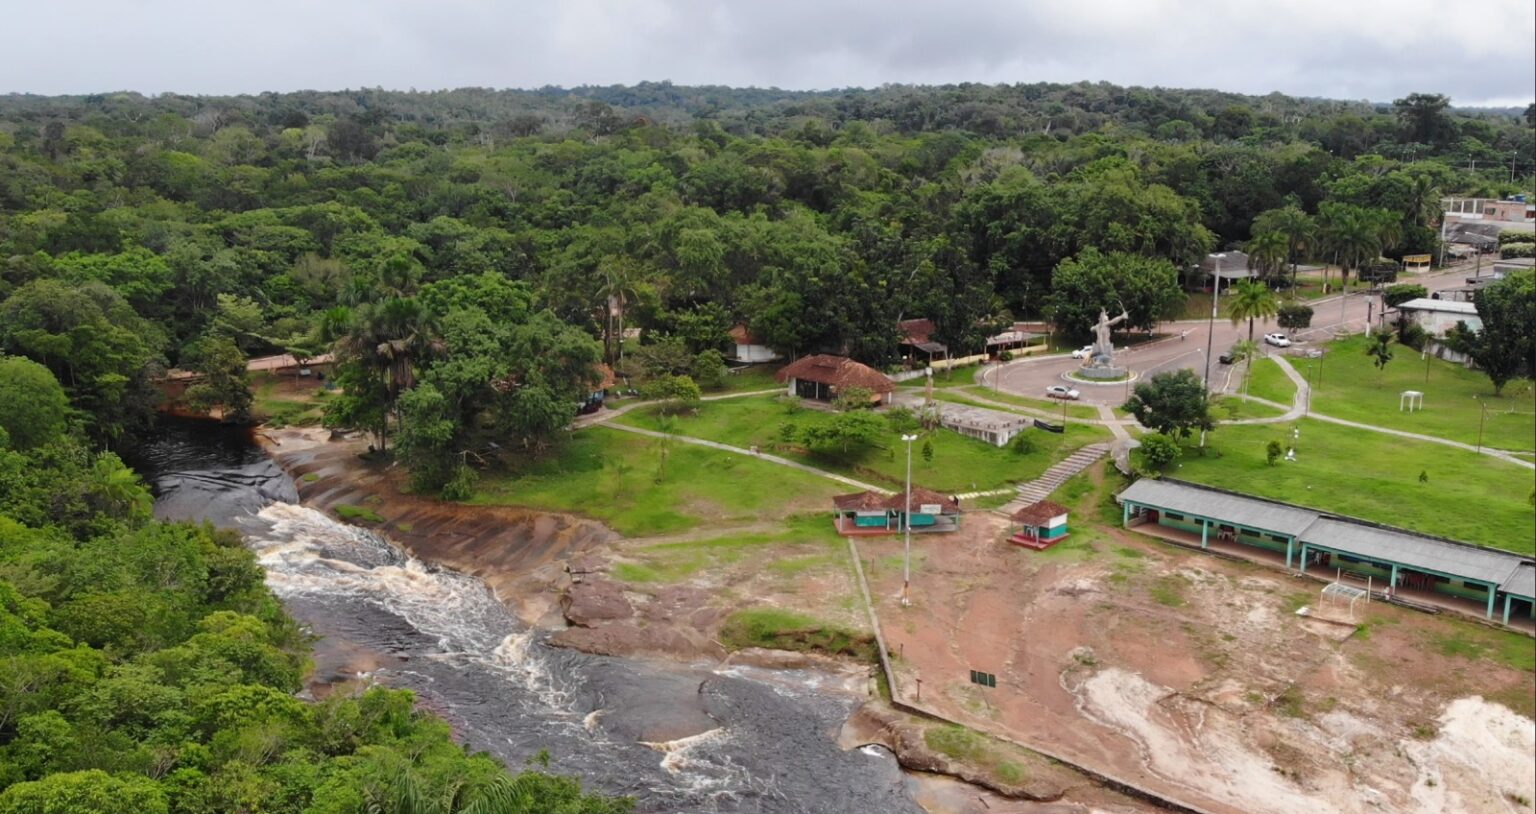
x=952 y=377
x=1349 y=386
x=1374 y=476
x=959 y=464
x=1268 y=381
x=611 y=475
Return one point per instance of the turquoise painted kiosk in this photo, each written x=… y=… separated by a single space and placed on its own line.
x=1040 y=525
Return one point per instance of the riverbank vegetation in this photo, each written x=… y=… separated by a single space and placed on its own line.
x=145 y=666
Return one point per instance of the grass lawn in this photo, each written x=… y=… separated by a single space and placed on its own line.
x=959 y=464
x=1352 y=388
x=952 y=377
x=611 y=475
x=1047 y=405
x=1268 y=381
x=749 y=379
x=1230 y=408
x=1373 y=476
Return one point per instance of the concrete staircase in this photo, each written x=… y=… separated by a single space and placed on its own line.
x=1041 y=487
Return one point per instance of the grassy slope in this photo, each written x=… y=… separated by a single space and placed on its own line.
x=1352 y=388
x=611 y=475
x=959 y=464
x=1467 y=496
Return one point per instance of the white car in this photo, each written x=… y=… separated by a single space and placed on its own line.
x=1061 y=391
x=1083 y=352
x=1278 y=340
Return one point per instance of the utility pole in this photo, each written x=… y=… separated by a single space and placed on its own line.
x=1481 y=418
x=906 y=528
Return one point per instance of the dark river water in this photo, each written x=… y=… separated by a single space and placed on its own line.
x=675 y=737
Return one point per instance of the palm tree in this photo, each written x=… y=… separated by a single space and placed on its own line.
x=620 y=281
x=1423 y=203
x=1267 y=253
x=1298 y=228
x=1354 y=237
x=1251 y=300
x=388 y=338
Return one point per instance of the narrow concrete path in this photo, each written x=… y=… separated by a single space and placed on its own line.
x=762 y=456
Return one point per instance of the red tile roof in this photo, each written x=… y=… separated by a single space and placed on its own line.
x=837 y=371
x=742 y=335
x=1037 y=513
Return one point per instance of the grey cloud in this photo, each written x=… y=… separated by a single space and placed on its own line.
x=1376 y=49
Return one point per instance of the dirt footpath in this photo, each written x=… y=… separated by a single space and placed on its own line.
x=1192 y=676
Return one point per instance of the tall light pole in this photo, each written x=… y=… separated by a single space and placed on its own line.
x=1210 y=330
x=906 y=527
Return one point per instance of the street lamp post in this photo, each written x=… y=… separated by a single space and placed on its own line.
x=1481 y=418
x=906 y=527
x=1210 y=329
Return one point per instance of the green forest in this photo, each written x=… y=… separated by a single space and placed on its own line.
x=472 y=257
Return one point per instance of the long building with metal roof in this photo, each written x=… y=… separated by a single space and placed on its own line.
x=1401 y=560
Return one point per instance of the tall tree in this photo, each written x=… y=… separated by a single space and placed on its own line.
x=1298 y=228
x=1424 y=119
x=1172 y=404
x=1268 y=252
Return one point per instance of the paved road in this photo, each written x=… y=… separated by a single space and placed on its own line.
x=1030 y=377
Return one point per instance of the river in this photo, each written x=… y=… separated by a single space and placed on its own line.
x=678 y=738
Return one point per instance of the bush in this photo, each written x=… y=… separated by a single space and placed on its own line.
x=1409 y=333
x=1273 y=452
x=1516 y=237
x=1005 y=356
x=1159 y=450
x=709 y=370
x=1509 y=250
x=676 y=393
x=1294 y=316
x=902 y=420
x=1396 y=295
x=1023 y=444
x=854 y=398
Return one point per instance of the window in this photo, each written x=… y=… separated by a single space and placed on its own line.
x=984 y=679
x=1173 y=515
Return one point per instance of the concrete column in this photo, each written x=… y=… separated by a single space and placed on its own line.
x=1393 y=586
x=1304 y=558
x=1507 y=599
x=1125 y=513
x=1490 y=601
x=1205 y=533
x=1290 y=546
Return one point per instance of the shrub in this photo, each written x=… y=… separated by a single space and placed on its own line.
x=854 y=398
x=1516 y=237
x=1273 y=452
x=676 y=393
x=1509 y=250
x=902 y=420
x=1409 y=333
x=1159 y=450
x=709 y=369
x=1022 y=444
x=1294 y=316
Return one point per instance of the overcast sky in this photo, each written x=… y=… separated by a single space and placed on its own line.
x=1482 y=52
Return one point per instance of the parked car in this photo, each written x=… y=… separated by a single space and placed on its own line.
x=1278 y=340
x=1061 y=391
x=1227 y=358
x=1083 y=352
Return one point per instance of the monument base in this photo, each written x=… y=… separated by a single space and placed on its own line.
x=1099 y=374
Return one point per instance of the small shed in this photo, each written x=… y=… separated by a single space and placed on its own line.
x=822 y=376
x=749 y=348
x=865 y=513
x=1039 y=525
